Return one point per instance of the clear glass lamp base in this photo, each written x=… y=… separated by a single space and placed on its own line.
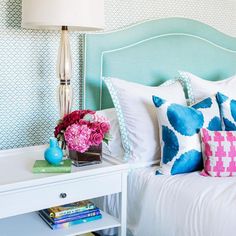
x=65 y=95
x=64 y=71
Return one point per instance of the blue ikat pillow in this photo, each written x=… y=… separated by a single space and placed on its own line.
x=228 y=111
x=179 y=133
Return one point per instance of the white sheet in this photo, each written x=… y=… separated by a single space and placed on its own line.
x=181 y=205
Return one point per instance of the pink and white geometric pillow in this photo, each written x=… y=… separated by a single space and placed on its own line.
x=219 y=153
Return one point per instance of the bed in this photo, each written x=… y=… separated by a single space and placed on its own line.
x=150 y=53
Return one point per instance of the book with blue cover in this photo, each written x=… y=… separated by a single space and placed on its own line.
x=72 y=217
x=71 y=223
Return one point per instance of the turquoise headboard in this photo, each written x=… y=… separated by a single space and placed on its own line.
x=152 y=52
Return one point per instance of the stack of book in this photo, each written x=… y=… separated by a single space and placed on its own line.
x=70 y=214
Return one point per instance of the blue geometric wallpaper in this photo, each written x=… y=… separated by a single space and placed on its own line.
x=28 y=106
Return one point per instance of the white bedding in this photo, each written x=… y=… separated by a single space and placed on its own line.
x=181 y=205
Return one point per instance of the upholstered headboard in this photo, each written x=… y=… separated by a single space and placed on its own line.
x=152 y=52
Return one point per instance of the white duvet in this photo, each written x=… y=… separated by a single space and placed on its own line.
x=181 y=205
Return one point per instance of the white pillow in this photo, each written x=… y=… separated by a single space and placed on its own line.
x=114 y=147
x=137 y=116
x=202 y=88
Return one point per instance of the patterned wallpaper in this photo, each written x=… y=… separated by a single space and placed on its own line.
x=217 y=13
x=28 y=106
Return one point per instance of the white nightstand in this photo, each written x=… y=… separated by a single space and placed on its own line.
x=22 y=193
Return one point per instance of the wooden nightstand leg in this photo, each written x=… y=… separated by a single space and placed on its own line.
x=123 y=206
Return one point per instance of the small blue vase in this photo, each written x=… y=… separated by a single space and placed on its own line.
x=53 y=154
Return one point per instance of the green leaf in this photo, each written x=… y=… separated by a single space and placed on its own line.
x=105 y=141
x=108 y=136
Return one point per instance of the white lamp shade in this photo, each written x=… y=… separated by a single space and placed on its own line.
x=81 y=15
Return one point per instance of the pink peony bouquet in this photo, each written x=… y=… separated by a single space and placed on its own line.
x=82 y=129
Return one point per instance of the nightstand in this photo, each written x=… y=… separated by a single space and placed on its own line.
x=22 y=193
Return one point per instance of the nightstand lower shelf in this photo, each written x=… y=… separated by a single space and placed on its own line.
x=31 y=224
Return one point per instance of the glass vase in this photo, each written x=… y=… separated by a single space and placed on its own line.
x=92 y=156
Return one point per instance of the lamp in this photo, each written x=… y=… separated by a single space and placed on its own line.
x=81 y=15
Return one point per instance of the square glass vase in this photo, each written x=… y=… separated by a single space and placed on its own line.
x=92 y=156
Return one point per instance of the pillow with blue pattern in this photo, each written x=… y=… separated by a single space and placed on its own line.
x=180 y=139
x=228 y=111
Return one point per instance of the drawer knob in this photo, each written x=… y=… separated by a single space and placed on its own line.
x=63 y=195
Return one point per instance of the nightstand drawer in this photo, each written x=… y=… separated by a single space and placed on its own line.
x=44 y=196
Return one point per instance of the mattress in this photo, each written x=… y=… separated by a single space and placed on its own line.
x=180 y=205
